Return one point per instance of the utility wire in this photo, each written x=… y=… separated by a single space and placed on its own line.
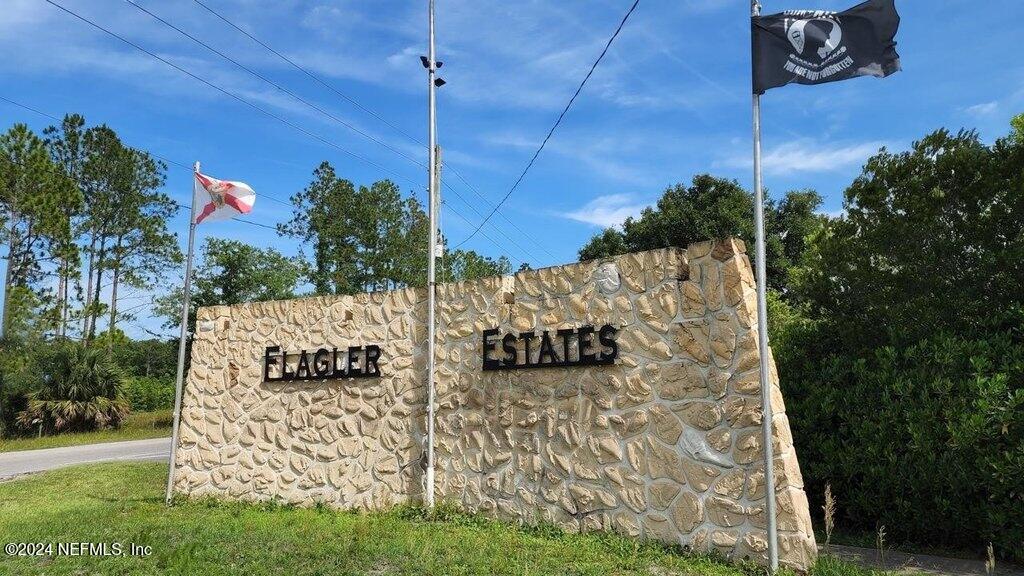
x=239 y=99
x=506 y=218
x=440 y=178
x=226 y=92
x=229 y=93
x=150 y=332
x=464 y=219
x=361 y=107
x=177 y=204
x=477 y=212
x=278 y=86
x=157 y=156
x=59 y=120
x=557 y=122
x=305 y=71
x=334 y=118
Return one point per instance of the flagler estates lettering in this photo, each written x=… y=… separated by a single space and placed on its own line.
x=322 y=364
x=569 y=347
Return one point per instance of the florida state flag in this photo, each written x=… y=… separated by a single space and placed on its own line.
x=221 y=199
x=818 y=46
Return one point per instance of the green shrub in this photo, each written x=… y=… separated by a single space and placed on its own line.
x=927 y=439
x=14 y=355
x=74 y=389
x=146 y=394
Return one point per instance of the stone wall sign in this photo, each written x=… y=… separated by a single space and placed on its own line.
x=645 y=421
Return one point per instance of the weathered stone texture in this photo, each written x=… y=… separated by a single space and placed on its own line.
x=665 y=443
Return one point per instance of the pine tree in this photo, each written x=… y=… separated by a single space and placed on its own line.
x=67 y=150
x=33 y=225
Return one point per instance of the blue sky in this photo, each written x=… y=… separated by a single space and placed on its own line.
x=670 y=100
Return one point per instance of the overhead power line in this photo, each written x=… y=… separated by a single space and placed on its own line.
x=241 y=100
x=484 y=234
x=322 y=82
x=59 y=120
x=474 y=190
x=263 y=78
x=477 y=212
x=157 y=156
x=229 y=93
x=305 y=71
x=177 y=204
x=331 y=116
x=557 y=122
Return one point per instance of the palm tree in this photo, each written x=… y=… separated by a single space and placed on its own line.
x=78 y=389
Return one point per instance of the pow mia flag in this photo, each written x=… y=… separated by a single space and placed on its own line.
x=817 y=46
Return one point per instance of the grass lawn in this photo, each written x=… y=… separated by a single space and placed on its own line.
x=121 y=502
x=138 y=426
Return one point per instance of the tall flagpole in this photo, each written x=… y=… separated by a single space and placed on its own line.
x=432 y=209
x=762 y=332
x=181 y=338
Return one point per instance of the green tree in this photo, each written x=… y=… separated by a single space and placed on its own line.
x=370 y=238
x=611 y=242
x=124 y=220
x=142 y=247
x=931 y=240
x=106 y=175
x=383 y=237
x=411 y=255
x=902 y=361
x=232 y=272
x=15 y=354
x=713 y=208
x=709 y=208
x=148 y=358
x=468 y=265
x=327 y=217
x=1018 y=126
x=67 y=149
x=33 y=224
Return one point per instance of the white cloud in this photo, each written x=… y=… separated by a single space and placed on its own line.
x=607 y=211
x=625 y=159
x=806 y=155
x=983 y=109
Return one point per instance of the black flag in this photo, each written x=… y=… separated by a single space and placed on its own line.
x=817 y=46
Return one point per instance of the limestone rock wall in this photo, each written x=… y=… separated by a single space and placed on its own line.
x=665 y=443
x=353 y=443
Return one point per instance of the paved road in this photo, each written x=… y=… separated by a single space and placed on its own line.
x=23 y=462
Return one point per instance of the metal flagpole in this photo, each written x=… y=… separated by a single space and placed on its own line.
x=762 y=332
x=182 y=335
x=432 y=209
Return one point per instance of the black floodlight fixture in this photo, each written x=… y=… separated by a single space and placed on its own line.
x=438 y=64
x=439 y=82
x=425 y=61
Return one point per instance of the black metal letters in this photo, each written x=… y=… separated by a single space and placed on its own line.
x=322 y=364
x=577 y=348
